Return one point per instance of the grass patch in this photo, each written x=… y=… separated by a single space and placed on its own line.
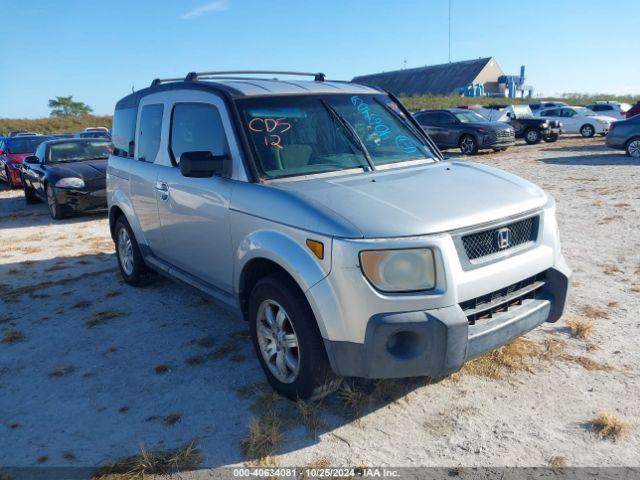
x=309 y=413
x=223 y=350
x=513 y=357
x=612 y=269
x=195 y=360
x=206 y=342
x=171 y=419
x=100 y=318
x=557 y=463
x=62 y=371
x=594 y=313
x=162 y=369
x=112 y=293
x=608 y=426
x=354 y=400
x=263 y=438
x=147 y=463
x=12 y=335
x=580 y=327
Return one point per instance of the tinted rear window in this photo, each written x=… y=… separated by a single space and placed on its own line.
x=78 y=151
x=124 y=130
x=24 y=144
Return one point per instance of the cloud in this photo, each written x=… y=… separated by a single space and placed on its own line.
x=217 y=6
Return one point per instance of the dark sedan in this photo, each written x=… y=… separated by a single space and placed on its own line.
x=461 y=128
x=68 y=174
x=625 y=135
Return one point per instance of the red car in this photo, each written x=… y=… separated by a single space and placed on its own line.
x=12 y=151
x=633 y=111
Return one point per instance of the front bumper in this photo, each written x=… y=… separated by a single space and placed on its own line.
x=14 y=174
x=490 y=141
x=437 y=342
x=73 y=201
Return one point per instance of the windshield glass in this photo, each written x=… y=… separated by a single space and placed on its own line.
x=78 y=151
x=27 y=144
x=304 y=135
x=470 y=117
x=584 y=111
x=522 y=111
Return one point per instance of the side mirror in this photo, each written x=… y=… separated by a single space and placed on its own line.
x=202 y=164
x=31 y=159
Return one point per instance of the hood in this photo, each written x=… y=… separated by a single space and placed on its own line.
x=489 y=126
x=439 y=197
x=17 y=157
x=87 y=170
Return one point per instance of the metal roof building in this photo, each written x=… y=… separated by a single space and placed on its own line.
x=444 y=79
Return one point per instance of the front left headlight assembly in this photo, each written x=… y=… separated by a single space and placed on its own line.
x=409 y=270
x=70 y=182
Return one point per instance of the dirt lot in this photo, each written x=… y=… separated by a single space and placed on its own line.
x=92 y=369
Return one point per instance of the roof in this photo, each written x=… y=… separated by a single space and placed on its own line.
x=250 y=87
x=434 y=79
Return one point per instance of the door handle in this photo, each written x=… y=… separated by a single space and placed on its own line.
x=163 y=188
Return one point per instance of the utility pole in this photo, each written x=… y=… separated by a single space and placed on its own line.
x=449 y=31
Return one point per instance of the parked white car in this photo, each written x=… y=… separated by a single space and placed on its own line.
x=579 y=120
x=611 y=109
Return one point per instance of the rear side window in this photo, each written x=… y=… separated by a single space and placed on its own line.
x=196 y=127
x=149 y=132
x=124 y=131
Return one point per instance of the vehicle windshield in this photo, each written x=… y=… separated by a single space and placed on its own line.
x=78 y=151
x=26 y=144
x=470 y=117
x=584 y=111
x=305 y=135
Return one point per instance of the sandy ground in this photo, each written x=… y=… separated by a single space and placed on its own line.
x=74 y=393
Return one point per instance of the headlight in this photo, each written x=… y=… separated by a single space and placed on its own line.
x=70 y=182
x=400 y=270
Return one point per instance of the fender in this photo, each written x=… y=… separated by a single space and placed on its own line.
x=285 y=251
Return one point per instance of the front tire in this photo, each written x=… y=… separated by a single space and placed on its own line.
x=468 y=145
x=551 y=138
x=587 y=131
x=29 y=194
x=532 y=136
x=132 y=267
x=54 y=208
x=287 y=340
x=633 y=147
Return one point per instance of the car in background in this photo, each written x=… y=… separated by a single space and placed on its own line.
x=579 y=120
x=464 y=129
x=633 y=111
x=625 y=135
x=537 y=107
x=68 y=174
x=21 y=133
x=94 y=134
x=13 y=150
x=610 y=109
x=532 y=129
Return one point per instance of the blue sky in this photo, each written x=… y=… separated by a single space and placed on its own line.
x=97 y=51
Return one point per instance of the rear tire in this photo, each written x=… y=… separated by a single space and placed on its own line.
x=287 y=340
x=587 y=130
x=633 y=147
x=468 y=145
x=132 y=267
x=532 y=136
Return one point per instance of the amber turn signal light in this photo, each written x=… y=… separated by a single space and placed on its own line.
x=316 y=247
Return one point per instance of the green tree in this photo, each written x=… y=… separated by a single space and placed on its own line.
x=66 y=107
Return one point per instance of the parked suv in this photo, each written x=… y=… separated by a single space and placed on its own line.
x=324 y=215
x=616 y=110
x=461 y=128
x=531 y=129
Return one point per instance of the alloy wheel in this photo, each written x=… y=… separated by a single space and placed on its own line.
x=278 y=341
x=587 y=131
x=467 y=145
x=634 y=149
x=532 y=135
x=125 y=251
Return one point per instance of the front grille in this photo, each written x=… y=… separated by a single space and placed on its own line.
x=489 y=242
x=488 y=306
x=504 y=133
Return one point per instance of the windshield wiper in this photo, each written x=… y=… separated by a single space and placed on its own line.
x=351 y=133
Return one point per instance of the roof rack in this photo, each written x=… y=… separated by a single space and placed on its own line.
x=193 y=76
